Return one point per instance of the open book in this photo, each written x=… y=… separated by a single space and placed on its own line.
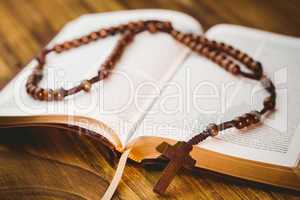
x=161 y=91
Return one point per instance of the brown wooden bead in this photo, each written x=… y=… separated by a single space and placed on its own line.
x=234 y=69
x=186 y=40
x=58 y=94
x=168 y=25
x=30 y=80
x=152 y=28
x=67 y=45
x=85 y=39
x=255 y=116
x=76 y=42
x=48 y=94
x=123 y=28
x=239 y=123
x=246 y=60
x=212 y=55
x=219 y=58
x=233 y=52
x=94 y=36
x=86 y=85
x=202 y=40
x=269 y=103
x=40 y=95
x=179 y=36
x=103 y=74
x=198 y=48
x=247 y=119
x=205 y=51
x=58 y=48
x=241 y=55
x=174 y=33
x=30 y=88
x=213 y=129
x=193 y=45
x=225 y=63
x=140 y=24
x=132 y=26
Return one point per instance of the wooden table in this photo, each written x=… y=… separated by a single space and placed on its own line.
x=60 y=165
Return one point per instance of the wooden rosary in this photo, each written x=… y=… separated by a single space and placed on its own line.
x=222 y=54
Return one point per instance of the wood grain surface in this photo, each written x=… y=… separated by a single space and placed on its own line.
x=55 y=164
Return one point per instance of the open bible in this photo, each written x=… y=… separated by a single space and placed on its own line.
x=161 y=91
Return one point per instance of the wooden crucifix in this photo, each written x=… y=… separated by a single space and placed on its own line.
x=179 y=157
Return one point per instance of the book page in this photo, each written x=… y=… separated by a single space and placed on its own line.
x=115 y=101
x=202 y=93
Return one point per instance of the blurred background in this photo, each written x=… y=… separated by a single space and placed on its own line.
x=67 y=166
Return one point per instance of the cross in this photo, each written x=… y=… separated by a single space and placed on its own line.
x=179 y=157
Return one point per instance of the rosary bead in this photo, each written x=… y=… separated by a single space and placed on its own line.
x=225 y=63
x=255 y=116
x=192 y=45
x=30 y=88
x=247 y=119
x=199 y=48
x=202 y=40
x=174 y=33
x=213 y=129
x=67 y=45
x=123 y=27
x=48 y=94
x=186 y=40
x=152 y=28
x=30 y=79
x=179 y=37
x=140 y=24
x=253 y=65
x=40 y=95
x=168 y=25
x=246 y=60
x=58 y=48
x=219 y=58
x=234 y=69
x=160 y=26
x=86 y=85
x=241 y=56
x=212 y=55
x=103 y=74
x=132 y=26
x=85 y=39
x=58 y=94
x=239 y=123
x=269 y=103
x=233 y=52
x=75 y=42
x=94 y=35
x=214 y=44
x=205 y=51
x=228 y=47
